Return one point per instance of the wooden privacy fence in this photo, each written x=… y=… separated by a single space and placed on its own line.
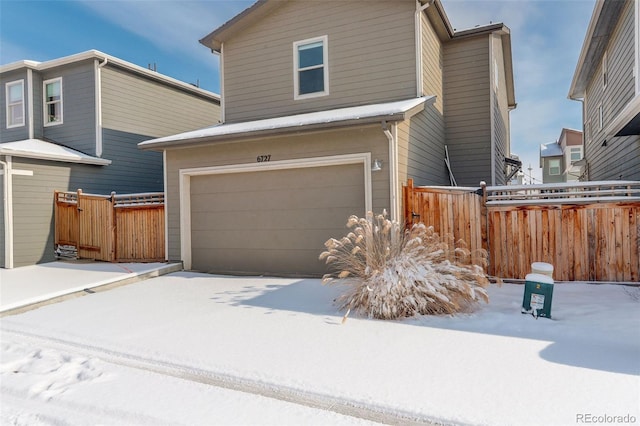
x=589 y=231
x=113 y=228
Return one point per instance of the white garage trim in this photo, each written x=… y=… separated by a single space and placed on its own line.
x=185 y=185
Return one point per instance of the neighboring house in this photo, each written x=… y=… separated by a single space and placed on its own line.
x=75 y=122
x=607 y=81
x=560 y=161
x=328 y=108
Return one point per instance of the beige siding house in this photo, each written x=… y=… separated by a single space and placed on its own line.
x=328 y=108
x=607 y=82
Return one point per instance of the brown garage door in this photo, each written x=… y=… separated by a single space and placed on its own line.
x=272 y=222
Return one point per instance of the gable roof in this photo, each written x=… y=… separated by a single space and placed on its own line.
x=603 y=21
x=42 y=150
x=339 y=117
x=103 y=57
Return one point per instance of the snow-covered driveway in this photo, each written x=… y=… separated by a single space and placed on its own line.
x=149 y=353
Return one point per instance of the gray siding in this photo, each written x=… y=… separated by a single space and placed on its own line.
x=15 y=133
x=467 y=109
x=546 y=177
x=133 y=104
x=371 y=57
x=319 y=144
x=421 y=149
x=78 y=128
x=501 y=137
x=620 y=158
x=33 y=238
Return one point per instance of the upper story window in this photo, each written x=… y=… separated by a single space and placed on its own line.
x=311 y=71
x=575 y=154
x=52 y=101
x=15 y=103
x=554 y=166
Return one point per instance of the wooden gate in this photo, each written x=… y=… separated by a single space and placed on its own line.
x=120 y=228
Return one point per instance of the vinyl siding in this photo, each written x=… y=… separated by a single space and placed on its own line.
x=78 y=128
x=421 y=149
x=500 y=112
x=33 y=229
x=2 y=236
x=546 y=177
x=620 y=158
x=371 y=48
x=467 y=106
x=432 y=64
x=133 y=104
x=14 y=133
x=317 y=144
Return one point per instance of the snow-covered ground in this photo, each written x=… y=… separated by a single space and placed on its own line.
x=190 y=348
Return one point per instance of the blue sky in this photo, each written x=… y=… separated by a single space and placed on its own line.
x=547 y=36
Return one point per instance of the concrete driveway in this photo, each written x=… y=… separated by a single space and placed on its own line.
x=27 y=287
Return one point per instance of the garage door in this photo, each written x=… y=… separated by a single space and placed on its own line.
x=272 y=222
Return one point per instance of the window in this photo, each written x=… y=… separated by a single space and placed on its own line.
x=554 y=167
x=600 y=117
x=575 y=154
x=15 y=103
x=311 y=72
x=52 y=102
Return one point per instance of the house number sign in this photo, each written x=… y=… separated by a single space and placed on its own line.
x=263 y=158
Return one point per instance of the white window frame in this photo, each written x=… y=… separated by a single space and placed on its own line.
x=572 y=150
x=45 y=117
x=600 y=117
x=8 y=85
x=559 y=167
x=325 y=65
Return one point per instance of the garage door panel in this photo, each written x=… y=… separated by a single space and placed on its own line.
x=268 y=227
x=274 y=200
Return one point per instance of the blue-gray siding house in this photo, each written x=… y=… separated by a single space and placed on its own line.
x=75 y=122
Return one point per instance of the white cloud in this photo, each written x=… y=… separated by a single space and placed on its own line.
x=170 y=25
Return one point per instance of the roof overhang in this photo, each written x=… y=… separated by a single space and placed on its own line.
x=42 y=150
x=320 y=120
x=603 y=21
x=112 y=60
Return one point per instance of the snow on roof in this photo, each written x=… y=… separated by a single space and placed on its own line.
x=390 y=110
x=551 y=149
x=39 y=149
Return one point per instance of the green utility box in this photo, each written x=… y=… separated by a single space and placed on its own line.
x=538 y=295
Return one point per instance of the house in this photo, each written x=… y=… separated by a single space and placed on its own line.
x=327 y=111
x=74 y=122
x=607 y=82
x=560 y=160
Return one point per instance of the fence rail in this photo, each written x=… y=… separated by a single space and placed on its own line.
x=589 y=231
x=120 y=228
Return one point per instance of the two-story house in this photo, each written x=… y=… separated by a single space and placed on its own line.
x=607 y=81
x=75 y=122
x=560 y=161
x=328 y=108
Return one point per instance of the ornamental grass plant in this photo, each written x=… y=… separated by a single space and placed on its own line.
x=391 y=272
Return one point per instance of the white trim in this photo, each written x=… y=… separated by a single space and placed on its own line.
x=223 y=102
x=166 y=205
x=31 y=102
x=46 y=122
x=325 y=67
x=186 y=174
x=392 y=137
x=605 y=70
x=98 y=98
x=623 y=117
x=8 y=212
x=600 y=117
x=492 y=96
x=8 y=105
x=418 y=33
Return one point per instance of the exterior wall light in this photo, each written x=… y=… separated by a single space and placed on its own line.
x=376 y=165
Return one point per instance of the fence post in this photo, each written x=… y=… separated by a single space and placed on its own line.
x=484 y=224
x=408 y=203
x=113 y=254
